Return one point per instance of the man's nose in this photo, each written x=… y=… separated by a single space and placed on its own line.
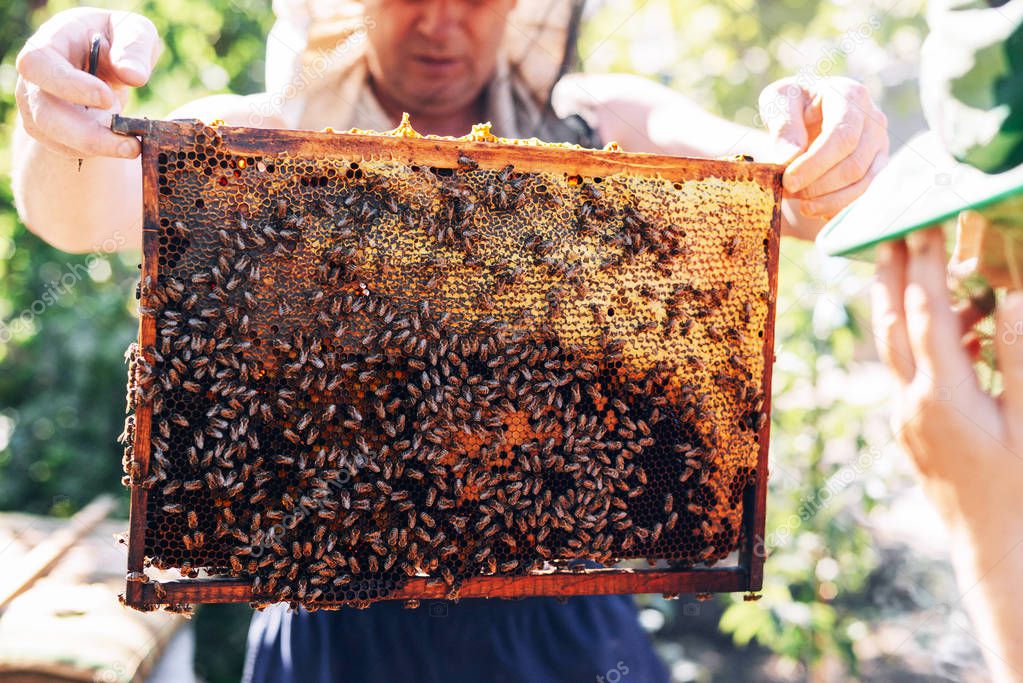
x=439 y=18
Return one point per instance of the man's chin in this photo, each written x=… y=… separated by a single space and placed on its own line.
x=448 y=100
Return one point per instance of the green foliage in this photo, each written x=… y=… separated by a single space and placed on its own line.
x=61 y=372
x=220 y=635
x=722 y=54
x=67 y=319
x=823 y=452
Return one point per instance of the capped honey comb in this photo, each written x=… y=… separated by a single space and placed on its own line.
x=379 y=366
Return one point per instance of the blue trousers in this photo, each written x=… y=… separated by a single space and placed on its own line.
x=535 y=640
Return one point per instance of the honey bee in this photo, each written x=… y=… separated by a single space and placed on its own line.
x=646 y=327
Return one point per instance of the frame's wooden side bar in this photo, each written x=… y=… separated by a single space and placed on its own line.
x=588 y=582
x=444 y=153
x=752 y=553
x=147 y=337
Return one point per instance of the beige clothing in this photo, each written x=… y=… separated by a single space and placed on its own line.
x=352 y=104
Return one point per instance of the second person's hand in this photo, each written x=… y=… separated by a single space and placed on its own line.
x=966 y=444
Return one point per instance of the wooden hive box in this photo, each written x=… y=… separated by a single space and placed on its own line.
x=395 y=367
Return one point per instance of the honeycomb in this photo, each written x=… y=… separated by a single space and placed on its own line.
x=360 y=369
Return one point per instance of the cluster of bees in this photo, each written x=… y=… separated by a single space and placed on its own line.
x=322 y=428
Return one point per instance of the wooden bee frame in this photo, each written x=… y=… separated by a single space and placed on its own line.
x=747 y=227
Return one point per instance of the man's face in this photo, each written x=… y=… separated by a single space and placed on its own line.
x=434 y=56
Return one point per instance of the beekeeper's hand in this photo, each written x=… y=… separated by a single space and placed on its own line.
x=833 y=136
x=60 y=104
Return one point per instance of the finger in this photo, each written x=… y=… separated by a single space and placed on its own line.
x=853 y=168
x=135 y=47
x=813 y=116
x=781 y=108
x=1009 y=348
x=47 y=68
x=932 y=326
x=975 y=309
x=28 y=123
x=827 y=206
x=841 y=128
x=889 y=317
x=81 y=131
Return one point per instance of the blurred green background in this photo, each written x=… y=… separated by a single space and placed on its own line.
x=853 y=582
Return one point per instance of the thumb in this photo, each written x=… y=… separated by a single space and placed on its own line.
x=134 y=48
x=781 y=108
x=1009 y=347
